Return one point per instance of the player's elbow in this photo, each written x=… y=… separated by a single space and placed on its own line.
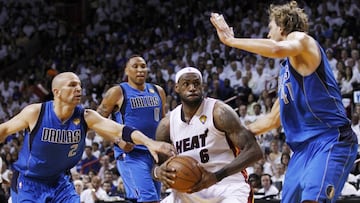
x=256 y=151
x=253 y=149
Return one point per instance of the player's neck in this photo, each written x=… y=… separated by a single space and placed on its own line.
x=188 y=111
x=140 y=87
x=63 y=112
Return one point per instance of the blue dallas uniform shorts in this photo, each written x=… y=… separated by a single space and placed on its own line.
x=135 y=170
x=319 y=168
x=25 y=189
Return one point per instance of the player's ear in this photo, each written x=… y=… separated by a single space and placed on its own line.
x=126 y=70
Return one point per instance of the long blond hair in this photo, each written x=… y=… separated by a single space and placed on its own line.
x=289 y=17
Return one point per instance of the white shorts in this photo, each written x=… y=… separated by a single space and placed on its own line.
x=222 y=192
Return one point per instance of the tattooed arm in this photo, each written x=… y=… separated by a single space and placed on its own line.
x=226 y=120
x=111 y=102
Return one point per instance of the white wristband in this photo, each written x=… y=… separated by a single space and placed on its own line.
x=155 y=176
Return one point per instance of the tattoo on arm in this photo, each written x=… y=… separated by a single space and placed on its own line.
x=225 y=119
x=102 y=110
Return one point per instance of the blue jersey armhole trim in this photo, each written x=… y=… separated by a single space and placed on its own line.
x=37 y=125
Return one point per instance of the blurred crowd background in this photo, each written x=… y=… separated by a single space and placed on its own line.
x=94 y=38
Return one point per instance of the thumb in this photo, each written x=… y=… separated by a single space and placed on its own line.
x=155 y=155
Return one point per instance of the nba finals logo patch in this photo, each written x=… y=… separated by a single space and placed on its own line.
x=330 y=191
x=152 y=91
x=203 y=119
x=76 y=121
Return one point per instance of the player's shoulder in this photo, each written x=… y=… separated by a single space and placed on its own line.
x=303 y=37
x=223 y=110
x=298 y=35
x=33 y=108
x=219 y=104
x=114 y=92
x=158 y=87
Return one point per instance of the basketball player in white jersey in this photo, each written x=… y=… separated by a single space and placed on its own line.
x=209 y=131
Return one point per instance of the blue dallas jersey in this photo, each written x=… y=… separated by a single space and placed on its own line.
x=309 y=105
x=52 y=147
x=140 y=109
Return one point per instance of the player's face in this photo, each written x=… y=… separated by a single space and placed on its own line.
x=71 y=91
x=274 y=31
x=189 y=88
x=136 y=70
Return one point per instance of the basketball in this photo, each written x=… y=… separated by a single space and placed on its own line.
x=187 y=172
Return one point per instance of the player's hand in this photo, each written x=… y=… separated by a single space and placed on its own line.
x=156 y=147
x=166 y=174
x=126 y=146
x=207 y=179
x=225 y=33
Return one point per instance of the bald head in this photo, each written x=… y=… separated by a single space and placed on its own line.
x=61 y=79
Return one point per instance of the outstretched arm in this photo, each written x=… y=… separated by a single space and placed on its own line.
x=300 y=47
x=113 y=131
x=265 y=47
x=25 y=119
x=267 y=122
x=226 y=120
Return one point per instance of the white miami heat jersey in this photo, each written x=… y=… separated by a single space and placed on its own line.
x=200 y=139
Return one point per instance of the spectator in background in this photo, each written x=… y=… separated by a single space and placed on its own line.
x=96 y=149
x=243 y=116
x=79 y=186
x=255 y=182
x=90 y=162
x=267 y=187
x=332 y=61
x=355 y=125
x=275 y=154
x=244 y=91
x=105 y=166
x=285 y=158
x=278 y=176
x=109 y=177
x=92 y=137
x=227 y=93
x=347 y=82
x=257 y=113
x=94 y=192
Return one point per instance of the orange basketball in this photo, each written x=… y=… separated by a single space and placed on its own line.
x=187 y=172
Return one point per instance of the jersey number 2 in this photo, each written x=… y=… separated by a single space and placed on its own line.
x=73 y=149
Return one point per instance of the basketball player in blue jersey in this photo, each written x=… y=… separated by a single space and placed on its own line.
x=141 y=105
x=55 y=141
x=308 y=107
